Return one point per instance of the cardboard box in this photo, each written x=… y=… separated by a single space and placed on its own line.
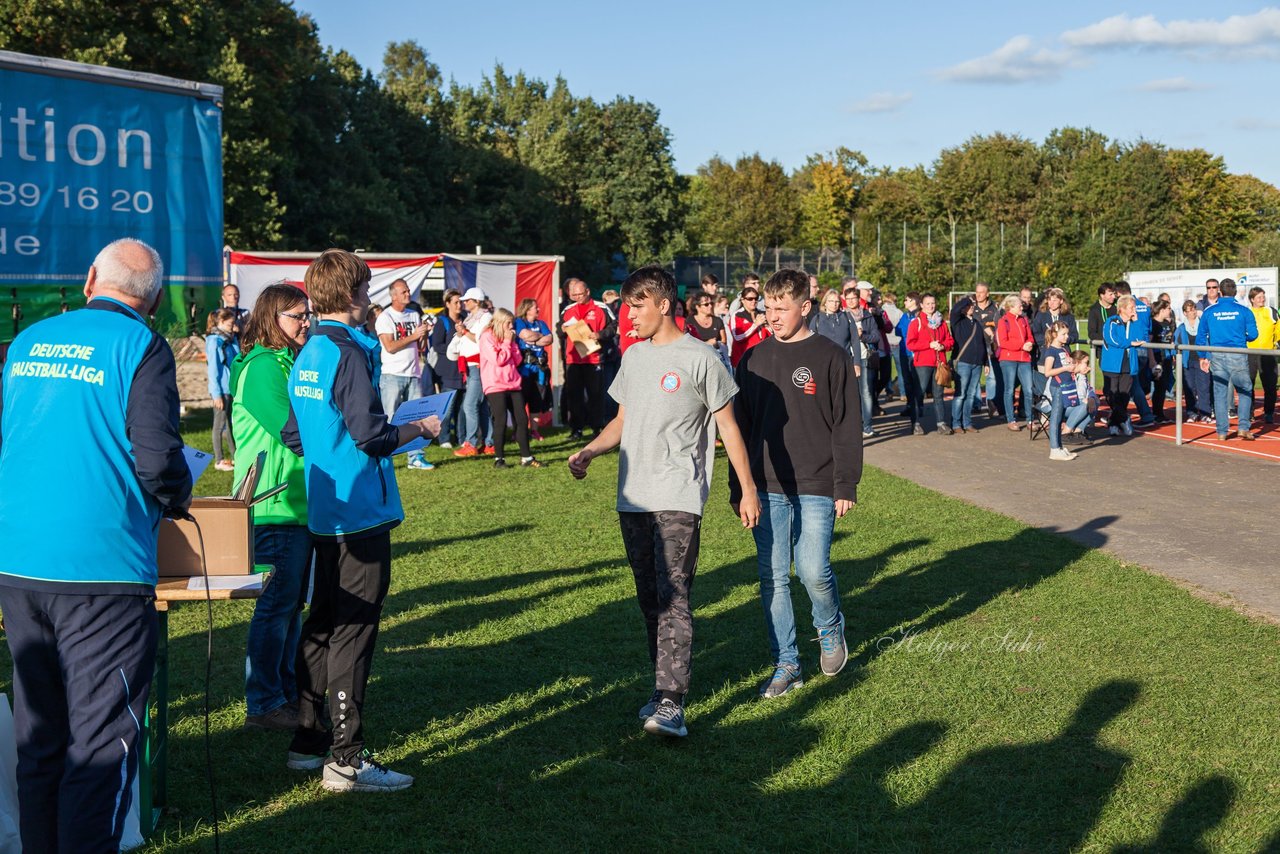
x=227 y=524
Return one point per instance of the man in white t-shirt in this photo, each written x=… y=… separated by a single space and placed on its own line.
x=400 y=329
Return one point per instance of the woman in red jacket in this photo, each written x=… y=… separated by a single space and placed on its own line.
x=1014 y=343
x=929 y=341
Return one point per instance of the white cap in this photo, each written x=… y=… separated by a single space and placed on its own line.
x=475 y=294
x=864 y=285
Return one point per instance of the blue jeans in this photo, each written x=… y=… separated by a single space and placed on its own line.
x=395 y=389
x=1057 y=410
x=896 y=354
x=1228 y=370
x=966 y=394
x=864 y=390
x=995 y=384
x=277 y=617
x=1199 y=399
x=1020 y=371
x=1077 y=417
x=1141 y=387
x=911 y=390
x=795 y=527
x=474 y=416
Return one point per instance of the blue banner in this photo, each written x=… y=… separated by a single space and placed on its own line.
x=86 y=161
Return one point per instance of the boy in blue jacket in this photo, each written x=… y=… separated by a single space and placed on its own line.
x=352 y=505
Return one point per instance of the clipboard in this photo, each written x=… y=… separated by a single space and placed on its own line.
x=416 y=410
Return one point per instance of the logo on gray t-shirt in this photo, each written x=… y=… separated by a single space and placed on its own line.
x=669 y=395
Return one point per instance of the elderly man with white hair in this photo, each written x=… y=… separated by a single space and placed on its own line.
x=90 y=459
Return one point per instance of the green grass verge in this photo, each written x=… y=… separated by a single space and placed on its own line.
x=1011 y=691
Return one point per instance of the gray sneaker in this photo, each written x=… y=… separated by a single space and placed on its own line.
x=647 y=710
x=784 y=678
x=835 y=653
x=305 y=761
x=366 y=776
x=667 y=719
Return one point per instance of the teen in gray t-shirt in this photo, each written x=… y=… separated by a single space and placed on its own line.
x=669 y=389
x=671 y=393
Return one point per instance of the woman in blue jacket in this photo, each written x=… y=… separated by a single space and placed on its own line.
x=1120 y=334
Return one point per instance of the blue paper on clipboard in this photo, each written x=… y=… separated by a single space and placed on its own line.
x=197 y=461
x=416 y=410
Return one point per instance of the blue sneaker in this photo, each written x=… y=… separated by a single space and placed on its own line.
x=647 y=710
x=667 y=719
x=784 y=678
x=835 y=653
x=419 y=463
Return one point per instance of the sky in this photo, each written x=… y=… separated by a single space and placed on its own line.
x=897 y=81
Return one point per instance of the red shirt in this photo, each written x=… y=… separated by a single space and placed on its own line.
x=919 y=336
x=596 y=319
x=1012 y=331
x=741 y=323
x=624 y=329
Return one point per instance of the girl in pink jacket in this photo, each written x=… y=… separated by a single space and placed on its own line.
x=500 y=379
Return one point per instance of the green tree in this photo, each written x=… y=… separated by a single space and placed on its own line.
x=750 y=204
x=1209 y=217
x=988 y=179
x=828 y=186
x=1076 y=184
x=1138 y=219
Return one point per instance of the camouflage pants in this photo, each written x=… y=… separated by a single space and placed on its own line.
x=663 y=551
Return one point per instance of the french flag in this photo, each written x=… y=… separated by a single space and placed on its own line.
x=507 y=283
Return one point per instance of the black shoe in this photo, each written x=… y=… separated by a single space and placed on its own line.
x=500 y=463
x=576 y=435
x=282 y=718
x=1270 y=419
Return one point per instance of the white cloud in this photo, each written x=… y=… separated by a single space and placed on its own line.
x=1253 y=123
x=881 y=102
x=1016 y=61
x=1172 y=84
x=1123 y=31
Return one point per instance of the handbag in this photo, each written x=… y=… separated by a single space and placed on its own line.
x=942 y=374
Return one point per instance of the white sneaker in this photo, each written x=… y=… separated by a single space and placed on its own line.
x=1061 y=454
x=446 y=445
x=368 y=776
x=1128 y=428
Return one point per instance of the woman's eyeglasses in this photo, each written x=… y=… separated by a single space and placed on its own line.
x=305 y=317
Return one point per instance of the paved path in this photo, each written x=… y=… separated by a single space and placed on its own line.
x=1204 y=518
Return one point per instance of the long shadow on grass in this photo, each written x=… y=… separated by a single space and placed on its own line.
x=413 y=547
x=929 y=595
x=1198 y=811
x=1044 y=795
x=515 y=695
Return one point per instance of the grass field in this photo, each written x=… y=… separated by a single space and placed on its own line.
x=1011 y=691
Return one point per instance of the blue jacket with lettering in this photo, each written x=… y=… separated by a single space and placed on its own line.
x=1119 y=356
x=1226 y=323
x=336 y=415
x=90 y=454
x=1142 y=320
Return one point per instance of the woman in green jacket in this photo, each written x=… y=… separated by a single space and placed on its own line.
x=274 y=333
